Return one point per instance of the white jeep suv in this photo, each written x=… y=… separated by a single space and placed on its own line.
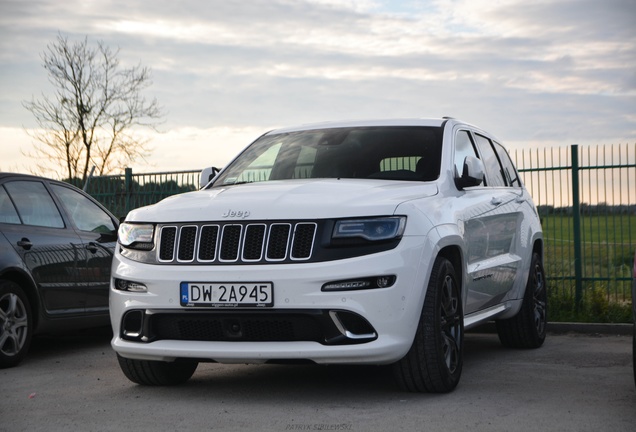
x=372 y=242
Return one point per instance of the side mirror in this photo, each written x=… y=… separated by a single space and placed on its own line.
x=207 y=175
x=472 y=173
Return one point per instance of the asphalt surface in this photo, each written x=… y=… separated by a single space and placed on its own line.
x=575 y=382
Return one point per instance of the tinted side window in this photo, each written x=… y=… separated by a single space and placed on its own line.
x=8 y=213
x=463 y=147
x=512 y=177
x=34 y=204
x=86 y=215
x=491 y=162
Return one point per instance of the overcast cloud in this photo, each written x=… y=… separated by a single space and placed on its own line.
x=540 y=74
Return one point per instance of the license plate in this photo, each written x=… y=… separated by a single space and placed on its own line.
x=227 y=294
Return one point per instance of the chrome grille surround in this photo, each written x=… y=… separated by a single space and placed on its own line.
x=236 y=242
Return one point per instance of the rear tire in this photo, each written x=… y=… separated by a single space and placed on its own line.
x=157 y=373
x=434 y=362
x=527 y=329
x=16 y=324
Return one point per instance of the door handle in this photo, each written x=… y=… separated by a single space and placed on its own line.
x=91 y=247
x=25 y=243
x=496 y=201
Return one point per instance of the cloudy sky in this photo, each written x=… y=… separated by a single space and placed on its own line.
x=534 y=73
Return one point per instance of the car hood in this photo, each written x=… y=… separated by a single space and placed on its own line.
x=290 y=199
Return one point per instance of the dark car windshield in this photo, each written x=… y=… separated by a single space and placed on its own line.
x=382 y=152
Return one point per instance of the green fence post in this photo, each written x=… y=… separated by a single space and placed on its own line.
x=576 y=214
x=128 y=185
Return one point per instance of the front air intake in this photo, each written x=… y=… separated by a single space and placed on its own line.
x=294 y=325
x=132 y=325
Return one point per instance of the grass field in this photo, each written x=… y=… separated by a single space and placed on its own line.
x=608 y=243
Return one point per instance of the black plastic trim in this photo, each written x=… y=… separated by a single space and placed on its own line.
x=247 y=325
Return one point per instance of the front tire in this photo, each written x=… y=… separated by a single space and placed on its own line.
x=16 y=324
x=527 y=329
x=434 y=361
x=157 y=373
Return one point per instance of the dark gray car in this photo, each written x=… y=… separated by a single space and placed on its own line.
x=56 y=248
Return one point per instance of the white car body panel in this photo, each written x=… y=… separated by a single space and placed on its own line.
x=264 y=200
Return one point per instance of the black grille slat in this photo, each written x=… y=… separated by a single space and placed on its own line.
x=230 y=242
x=253 y=243
x=187 y=243
x=166 y=247
x=277 y=244
x=303 y=240
x=237 y=242
x=207 y=242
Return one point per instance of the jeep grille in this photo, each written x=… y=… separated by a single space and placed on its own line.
x=236 y=242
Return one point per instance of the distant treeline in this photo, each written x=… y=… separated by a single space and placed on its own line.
x=588 y=210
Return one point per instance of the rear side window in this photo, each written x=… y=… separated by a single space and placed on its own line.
x=491 y=161
x=463 y=147
x=86 y=215
x=34 y=204
x=8 y=213
x=509 y=171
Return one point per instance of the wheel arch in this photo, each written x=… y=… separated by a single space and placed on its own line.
x=28 y=286
x=453 y=253
x=448 y=242
x=537 y=247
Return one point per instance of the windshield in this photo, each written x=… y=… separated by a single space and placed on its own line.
x=383 y=152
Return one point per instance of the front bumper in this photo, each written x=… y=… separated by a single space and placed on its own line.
x=391 y=314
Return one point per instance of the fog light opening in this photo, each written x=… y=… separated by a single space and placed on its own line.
x=126 y=285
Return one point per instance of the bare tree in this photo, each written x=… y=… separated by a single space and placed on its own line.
x=91 y=118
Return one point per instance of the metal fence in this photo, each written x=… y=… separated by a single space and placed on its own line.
x=587 y=201
x=586 y=198
x=122 y=193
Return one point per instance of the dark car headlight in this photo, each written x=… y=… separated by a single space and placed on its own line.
x=370 y=229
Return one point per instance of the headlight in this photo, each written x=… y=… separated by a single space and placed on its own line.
x=372 y=229
x=136 y=236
